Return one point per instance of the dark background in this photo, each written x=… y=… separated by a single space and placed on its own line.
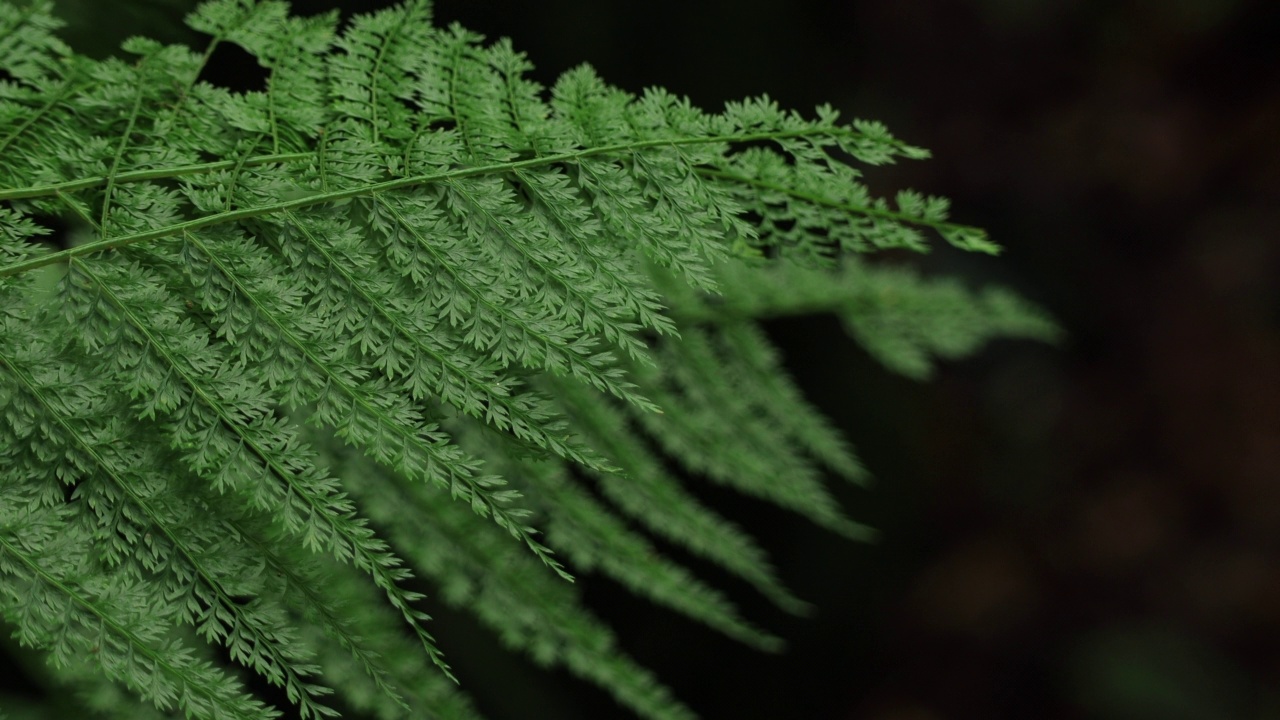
x=1087 y=531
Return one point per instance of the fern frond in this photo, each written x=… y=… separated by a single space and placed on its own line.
x=58 y=600
x=594 y=538
x=650 y=495
x=710 y=425
x=507 y=590
x=904 y=320
x=29 y=51
x=399 y=275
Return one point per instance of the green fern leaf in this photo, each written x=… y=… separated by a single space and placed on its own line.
x=310 y=350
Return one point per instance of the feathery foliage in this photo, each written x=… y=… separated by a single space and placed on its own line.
x=382 y=319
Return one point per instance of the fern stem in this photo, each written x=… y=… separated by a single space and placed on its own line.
x=366 y=190
x=387 y=42
x=151 y=174
x=271 y=112
x=124 y=143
